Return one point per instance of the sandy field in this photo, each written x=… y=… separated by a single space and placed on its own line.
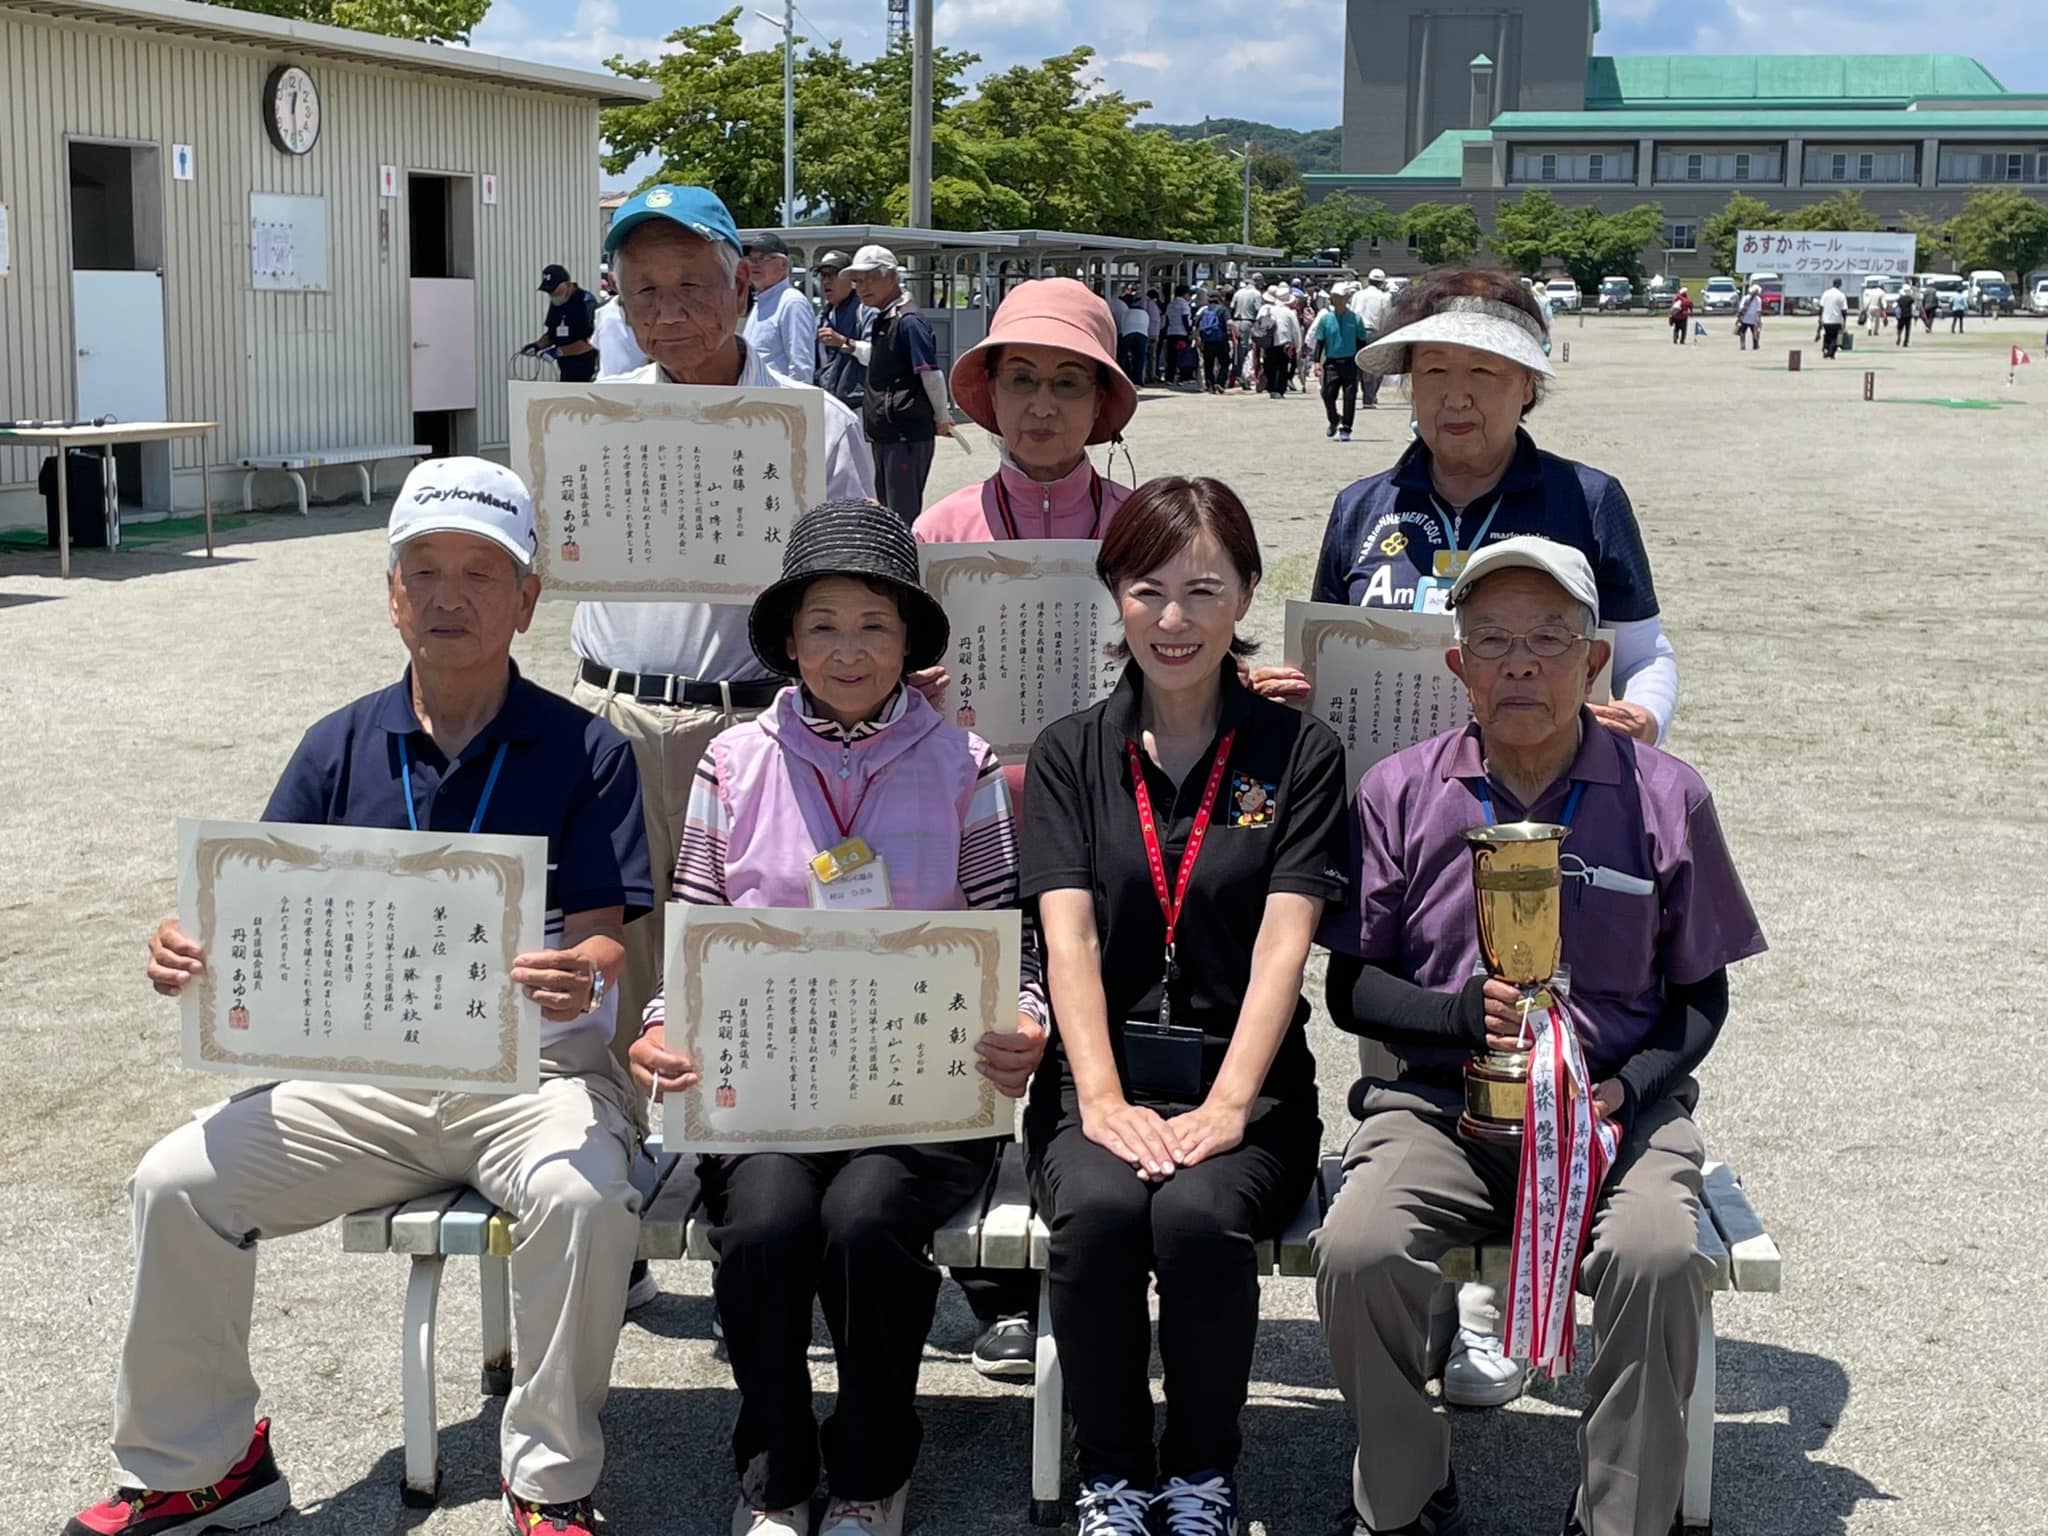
x=1856 y=595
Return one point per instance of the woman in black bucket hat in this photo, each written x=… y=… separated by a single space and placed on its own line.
x=849 y=791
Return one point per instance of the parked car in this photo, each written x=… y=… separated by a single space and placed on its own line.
x=1562 y=294
x=1660 y=291
x=1773 y=291
x=1616 y=293
x=1937 y=288
x=2037 y=300
x=1719 y=296
x=1989 y=290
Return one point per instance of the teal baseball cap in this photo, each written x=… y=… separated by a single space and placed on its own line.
x=697 y=209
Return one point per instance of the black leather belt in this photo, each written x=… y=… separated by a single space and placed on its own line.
x=663 y=688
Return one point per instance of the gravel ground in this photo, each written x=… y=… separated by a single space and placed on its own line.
x=1854 y=592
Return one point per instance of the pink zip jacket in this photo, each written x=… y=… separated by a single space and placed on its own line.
x=928 y=797
x=1009 y=504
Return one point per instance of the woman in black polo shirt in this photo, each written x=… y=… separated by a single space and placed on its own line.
x=1180 y=841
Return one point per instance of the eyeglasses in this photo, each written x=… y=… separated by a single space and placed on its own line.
x=1067 y=388
x=1546 y=640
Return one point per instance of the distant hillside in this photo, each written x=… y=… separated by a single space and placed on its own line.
x=1316 y=150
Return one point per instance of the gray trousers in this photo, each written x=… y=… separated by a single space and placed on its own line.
x=1412 y=1191
x=901 y=470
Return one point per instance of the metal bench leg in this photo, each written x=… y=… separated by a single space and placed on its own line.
x=1696 y=1510
x=248 y=485
x=416 y=1372
x=299 y=481
x=1048 y=1418
x=363 y=473
x=497 y=1310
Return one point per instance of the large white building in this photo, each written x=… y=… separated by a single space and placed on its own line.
x=315 y=237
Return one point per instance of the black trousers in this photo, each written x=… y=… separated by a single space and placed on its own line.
x=1278 y=366
x=1340 y=374
x=1130 y=352
x=1678 y=332
x=848 y=1229
x=1197 y=1231
x=1215 y=364
x=1904 y=338
x=1831 y=339
x=1955 y=322
x=580 y=369
x=901 y=470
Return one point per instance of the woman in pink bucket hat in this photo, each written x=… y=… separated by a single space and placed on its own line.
x=1045 y=384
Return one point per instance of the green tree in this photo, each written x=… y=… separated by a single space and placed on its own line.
x=1717 y=231
x=426 y=21
x=1528 y=230
x=1934 y=240
x=1596 y=245
x=1838 y=210
x=1341 y=221
x=2002 y=228
x=1445 y=234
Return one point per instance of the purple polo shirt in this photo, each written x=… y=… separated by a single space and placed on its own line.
x=1644 y=813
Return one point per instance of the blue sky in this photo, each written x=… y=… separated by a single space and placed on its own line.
x=1278 y=61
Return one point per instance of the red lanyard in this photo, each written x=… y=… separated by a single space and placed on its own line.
x=844 y=823
x=1172 y=904
x=1010 y=520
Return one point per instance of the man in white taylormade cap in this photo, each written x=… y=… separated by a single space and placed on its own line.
x=905 y=410
x=460 y=743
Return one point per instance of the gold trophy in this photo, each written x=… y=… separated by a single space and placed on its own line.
x=1518 y=880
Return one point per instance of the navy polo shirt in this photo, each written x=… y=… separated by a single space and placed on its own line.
x=568 y=777
x=1385 y=532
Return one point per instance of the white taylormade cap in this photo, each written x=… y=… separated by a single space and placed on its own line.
x=874 y=258
x=1528 y=552
x=466 y=496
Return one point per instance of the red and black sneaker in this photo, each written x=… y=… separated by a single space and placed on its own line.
x=525 y=1518
x=251 y=1492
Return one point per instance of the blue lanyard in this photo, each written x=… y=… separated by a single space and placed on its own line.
x=1451 y=521
x=476 y=823
x=1571 y=803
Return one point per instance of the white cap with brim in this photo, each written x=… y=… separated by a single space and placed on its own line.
x=873 y=258
x=1529 y=552
x=1485 y=325
x=463 y=495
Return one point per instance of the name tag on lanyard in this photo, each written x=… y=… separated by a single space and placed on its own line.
x=849 y=876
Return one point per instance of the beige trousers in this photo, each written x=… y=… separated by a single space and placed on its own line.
x=1412 y=1190
x=668 y=742
x=287 y=1157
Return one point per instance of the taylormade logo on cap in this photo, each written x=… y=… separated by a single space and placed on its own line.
x=465 y=495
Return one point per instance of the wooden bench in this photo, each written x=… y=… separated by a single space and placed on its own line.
x=997 y=1229
x=307 y=463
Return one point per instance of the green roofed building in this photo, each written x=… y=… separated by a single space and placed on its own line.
x=1446 y=104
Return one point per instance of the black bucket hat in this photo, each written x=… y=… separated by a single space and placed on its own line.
x=848 y=538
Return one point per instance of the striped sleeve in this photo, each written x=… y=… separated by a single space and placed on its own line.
x=988 y=874
x=700 y=862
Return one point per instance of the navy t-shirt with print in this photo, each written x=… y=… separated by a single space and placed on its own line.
x=1385 y=532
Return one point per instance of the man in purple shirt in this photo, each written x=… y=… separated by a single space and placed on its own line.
x=1653 y=915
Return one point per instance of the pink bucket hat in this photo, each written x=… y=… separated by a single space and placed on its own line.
x=1049 y=312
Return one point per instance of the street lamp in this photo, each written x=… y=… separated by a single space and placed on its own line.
x=1246 y=157
x=786 y=25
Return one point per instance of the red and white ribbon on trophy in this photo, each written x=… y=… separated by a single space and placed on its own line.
x=1566 y=1152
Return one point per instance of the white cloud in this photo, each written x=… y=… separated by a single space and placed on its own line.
x=592 y=37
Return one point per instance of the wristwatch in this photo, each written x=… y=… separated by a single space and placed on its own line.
x=596 y=990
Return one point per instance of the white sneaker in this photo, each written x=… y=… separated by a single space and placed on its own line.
x=866 y=1517
x=748 y=1521
x=1478 y=1372
x=1112 y=1508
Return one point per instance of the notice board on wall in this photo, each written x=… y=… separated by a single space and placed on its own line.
x=287 y=242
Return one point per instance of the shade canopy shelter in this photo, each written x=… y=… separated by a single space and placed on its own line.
x=1102 y=261
x=947 y=272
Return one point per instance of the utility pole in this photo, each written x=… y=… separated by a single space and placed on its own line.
x=921 y=115
x=788 y=113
